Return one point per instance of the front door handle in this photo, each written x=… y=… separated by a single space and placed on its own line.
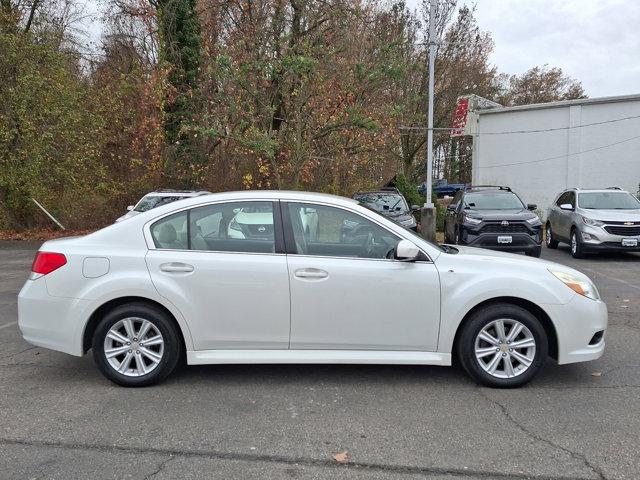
x=176 y=267
x=311 y=273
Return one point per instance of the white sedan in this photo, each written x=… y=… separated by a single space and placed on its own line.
x=173 y=283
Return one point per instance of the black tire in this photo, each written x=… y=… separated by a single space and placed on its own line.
x=551 y=241
x=577 y=250
x=172 y=349
x=483 y=317
x=536 y=252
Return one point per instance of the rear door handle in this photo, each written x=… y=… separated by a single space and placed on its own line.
x=176 y=267
x=311 y=273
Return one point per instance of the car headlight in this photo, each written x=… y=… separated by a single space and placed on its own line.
x=591 y=222
x=409 y=222
x=578 y=284
x=471 y=220
x=533 y=221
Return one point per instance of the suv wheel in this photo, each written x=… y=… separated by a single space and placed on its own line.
x=502 y=345
x=136 y=345
x=577 y=250
x=551 y=242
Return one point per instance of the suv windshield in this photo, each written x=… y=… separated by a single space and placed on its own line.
x=608 y=201
x=153 y=201
x=492 y=201
x=383 y=202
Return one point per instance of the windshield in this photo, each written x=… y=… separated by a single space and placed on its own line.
x=153 y=201
x=384 y=203
x=493 y=201
x=608 y=201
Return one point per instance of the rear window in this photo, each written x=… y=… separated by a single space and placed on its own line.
x=153 y=201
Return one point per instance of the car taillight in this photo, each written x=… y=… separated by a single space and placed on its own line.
x=47 y=262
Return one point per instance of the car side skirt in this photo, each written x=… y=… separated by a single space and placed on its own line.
x=208 y=357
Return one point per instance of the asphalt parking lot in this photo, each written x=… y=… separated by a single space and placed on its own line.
x=61 y=419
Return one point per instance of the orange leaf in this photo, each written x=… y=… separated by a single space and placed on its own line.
x=341 y=457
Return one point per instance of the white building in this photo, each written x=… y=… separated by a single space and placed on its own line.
x=539 y=150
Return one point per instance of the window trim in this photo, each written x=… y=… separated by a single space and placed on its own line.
x=289 y=236
x=278 y=231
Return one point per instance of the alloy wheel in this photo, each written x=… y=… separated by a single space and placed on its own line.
x=505 y=348
x=549 y=235
x=134 y=347
x=574 y=243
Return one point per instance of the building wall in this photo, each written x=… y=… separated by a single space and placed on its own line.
x=538 y=165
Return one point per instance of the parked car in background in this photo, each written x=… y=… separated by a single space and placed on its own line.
x=592 y=221
x=442 y=188
x=158 y=198
x=493 y=217
x=390 y=203
x=146 y=293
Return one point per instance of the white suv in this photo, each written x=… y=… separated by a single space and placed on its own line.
x=157 y=198
x=592 y=221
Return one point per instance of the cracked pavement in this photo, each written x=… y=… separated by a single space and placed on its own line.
x=61 y=419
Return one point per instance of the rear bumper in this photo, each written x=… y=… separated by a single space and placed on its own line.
x=47 y=321
x=576 y=323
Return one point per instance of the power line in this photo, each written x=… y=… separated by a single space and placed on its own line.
x=561 y=156
x=531 y=131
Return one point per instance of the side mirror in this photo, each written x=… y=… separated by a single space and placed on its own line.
x=566 y=206
x=129 y=208
x=532 y=206
x=406 y=251
x=415 y=208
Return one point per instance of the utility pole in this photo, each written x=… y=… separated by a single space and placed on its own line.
x=428 y=215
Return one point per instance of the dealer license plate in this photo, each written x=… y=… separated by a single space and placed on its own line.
x=629 y=242
x=508 y=239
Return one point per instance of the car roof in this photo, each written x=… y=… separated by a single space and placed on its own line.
x=595 y=190
x=257 y=195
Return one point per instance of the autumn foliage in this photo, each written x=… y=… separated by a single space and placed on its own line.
x=325 y=95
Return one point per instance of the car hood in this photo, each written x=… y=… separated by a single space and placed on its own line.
x=505 y=257
x=399 y=217
x=509 y=215
x=612 y=215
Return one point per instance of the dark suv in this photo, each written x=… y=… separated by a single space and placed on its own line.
x=493 y=217
x=390 y=203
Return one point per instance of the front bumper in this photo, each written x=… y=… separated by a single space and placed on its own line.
x=576 y=323
x=520 y=242
x=597 y=239
x=47 y=321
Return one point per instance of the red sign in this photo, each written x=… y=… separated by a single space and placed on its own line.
x=460 y=117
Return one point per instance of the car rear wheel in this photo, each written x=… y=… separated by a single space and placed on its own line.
x=577 y=250
x=502 y=346
x=551 y=241
x=136 y=345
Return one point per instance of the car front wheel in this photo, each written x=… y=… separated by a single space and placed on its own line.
x=136 y=345
x=577 y=250
x=502 y=345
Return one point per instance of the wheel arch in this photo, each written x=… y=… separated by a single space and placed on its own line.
x=535 y=310
x=99 y=313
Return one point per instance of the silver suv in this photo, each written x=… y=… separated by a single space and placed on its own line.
x=593 y=221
